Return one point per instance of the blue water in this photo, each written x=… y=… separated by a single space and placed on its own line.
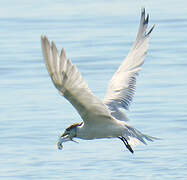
x=97 y=36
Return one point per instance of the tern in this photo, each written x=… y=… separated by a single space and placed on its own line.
x=101 y=118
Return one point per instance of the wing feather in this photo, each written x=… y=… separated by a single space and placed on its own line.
x=123 y=83
x=70 y=84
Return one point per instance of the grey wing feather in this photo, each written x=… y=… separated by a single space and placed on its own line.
x=123 y=83
x=70 y=84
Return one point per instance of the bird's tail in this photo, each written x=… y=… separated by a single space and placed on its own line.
x=135 y=137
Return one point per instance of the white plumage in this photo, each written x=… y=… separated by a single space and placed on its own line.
x=101 y=119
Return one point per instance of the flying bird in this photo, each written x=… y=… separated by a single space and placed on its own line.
x=101 y=118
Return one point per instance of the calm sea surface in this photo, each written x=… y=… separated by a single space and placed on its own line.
x=97 y=36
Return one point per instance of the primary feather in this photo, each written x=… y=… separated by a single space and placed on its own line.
x=123 y=83
x=70 y=84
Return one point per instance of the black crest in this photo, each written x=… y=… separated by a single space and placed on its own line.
x=74 y=125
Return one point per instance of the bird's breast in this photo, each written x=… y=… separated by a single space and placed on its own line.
x=98 y=131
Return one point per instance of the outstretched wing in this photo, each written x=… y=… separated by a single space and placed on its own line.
x=123 y=83
x=70 y=83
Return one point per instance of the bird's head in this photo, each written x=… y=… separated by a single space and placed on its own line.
x=68 y=134
x=70 y=131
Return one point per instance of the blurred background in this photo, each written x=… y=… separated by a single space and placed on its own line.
x=97 y=36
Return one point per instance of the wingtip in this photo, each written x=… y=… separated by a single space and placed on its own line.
x=143 y=10
x=151 y=30
x=53 y=44
x=53 y=47
x=44 y=38
x=147 y=19
x=63 y=52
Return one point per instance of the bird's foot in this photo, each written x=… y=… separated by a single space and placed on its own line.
x=126 y=144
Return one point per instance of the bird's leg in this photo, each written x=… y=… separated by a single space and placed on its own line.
x=126 y=144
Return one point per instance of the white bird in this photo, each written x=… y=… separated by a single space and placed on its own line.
x=101 y=119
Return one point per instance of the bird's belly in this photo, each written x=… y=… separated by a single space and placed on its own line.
x=98 y=132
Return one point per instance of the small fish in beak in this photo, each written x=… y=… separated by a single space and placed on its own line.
x=62 y=139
